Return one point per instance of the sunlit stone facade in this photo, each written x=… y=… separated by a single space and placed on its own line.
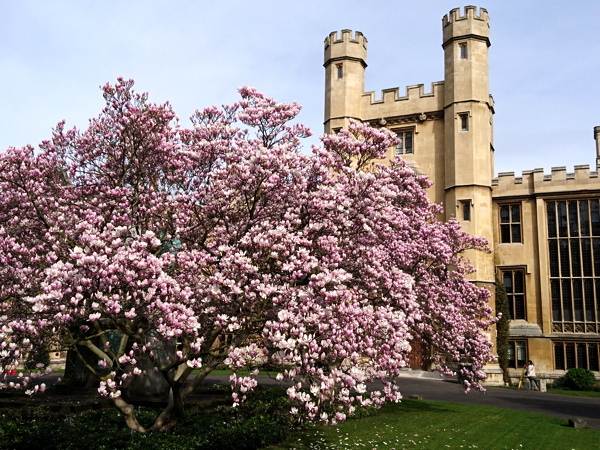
x=544 y=230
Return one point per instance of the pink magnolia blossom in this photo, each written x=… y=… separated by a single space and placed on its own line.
x=227 y=244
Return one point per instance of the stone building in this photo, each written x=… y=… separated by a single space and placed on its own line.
x=544 y=230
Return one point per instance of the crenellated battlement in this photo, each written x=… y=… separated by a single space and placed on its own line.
x=412 y=105
x=470 y=14
x=468 y=26
x=346 y=38
x=415 y=91
x=536 y=182
x=346 y=47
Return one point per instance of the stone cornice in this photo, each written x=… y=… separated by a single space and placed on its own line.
x=345 y=58
x=472 y=100
x=467 y=36
x=405 y=119
x=467 y=185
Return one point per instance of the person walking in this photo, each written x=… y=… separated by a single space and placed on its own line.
x=530 y=374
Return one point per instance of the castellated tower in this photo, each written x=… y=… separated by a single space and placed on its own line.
x=345 y=63
x=468 y=113
x=543 y=230
x=445 y=131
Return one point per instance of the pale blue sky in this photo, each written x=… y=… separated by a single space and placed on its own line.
x=544 y=62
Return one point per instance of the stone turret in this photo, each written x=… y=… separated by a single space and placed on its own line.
x=468 y=140
x=345 y=63
x=468 y=107
x=444 y=132
x=468 y=112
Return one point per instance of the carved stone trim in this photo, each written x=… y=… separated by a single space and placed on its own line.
x=407 y=119
x=576 y=327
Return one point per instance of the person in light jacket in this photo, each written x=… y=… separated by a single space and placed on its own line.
x=530 y=374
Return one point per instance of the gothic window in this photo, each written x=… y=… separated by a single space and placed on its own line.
x=405 y=142
x=514 y=284
x=517 y=354
x=463 y=50
x=465 y=206
x=464 y=122
x=340 y=70
x=568 y=355
x=510 y=223
x=574 y=260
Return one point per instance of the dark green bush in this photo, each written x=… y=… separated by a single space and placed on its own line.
x=580 y=380
x=261 y=421
x=253 y=425
x=502 y=330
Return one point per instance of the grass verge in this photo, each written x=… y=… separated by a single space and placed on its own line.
x=574 y=393
x=440 y=425
x=563 y=391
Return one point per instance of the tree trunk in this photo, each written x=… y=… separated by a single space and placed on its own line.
x=174 y=410
x=129 y=415
x=171 y=414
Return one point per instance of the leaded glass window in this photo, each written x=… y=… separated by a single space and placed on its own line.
x=405 y=143
x=574 y=259
x=514 y=285
x=568 y=355
x=510 y=223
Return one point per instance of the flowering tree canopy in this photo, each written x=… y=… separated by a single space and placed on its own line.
x=175 y=250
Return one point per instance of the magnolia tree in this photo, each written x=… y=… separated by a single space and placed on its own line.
x=165 y=250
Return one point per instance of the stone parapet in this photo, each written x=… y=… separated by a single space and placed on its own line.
x=471 y=24
x=414 y=101
x=345 y=47
x=454 y=15
x=536 y=182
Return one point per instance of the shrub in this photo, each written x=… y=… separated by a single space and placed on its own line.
x=255 y=424
x=580 y=380
x=502 y=330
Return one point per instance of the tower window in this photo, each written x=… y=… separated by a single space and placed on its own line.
x=464 y=122
x=465 y=206
x=405 y=142
x=463 y=50
x=340 y=71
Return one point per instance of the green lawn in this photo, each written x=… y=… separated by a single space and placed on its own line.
x=562 y=391
x=439 y=425
x=574 y=393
